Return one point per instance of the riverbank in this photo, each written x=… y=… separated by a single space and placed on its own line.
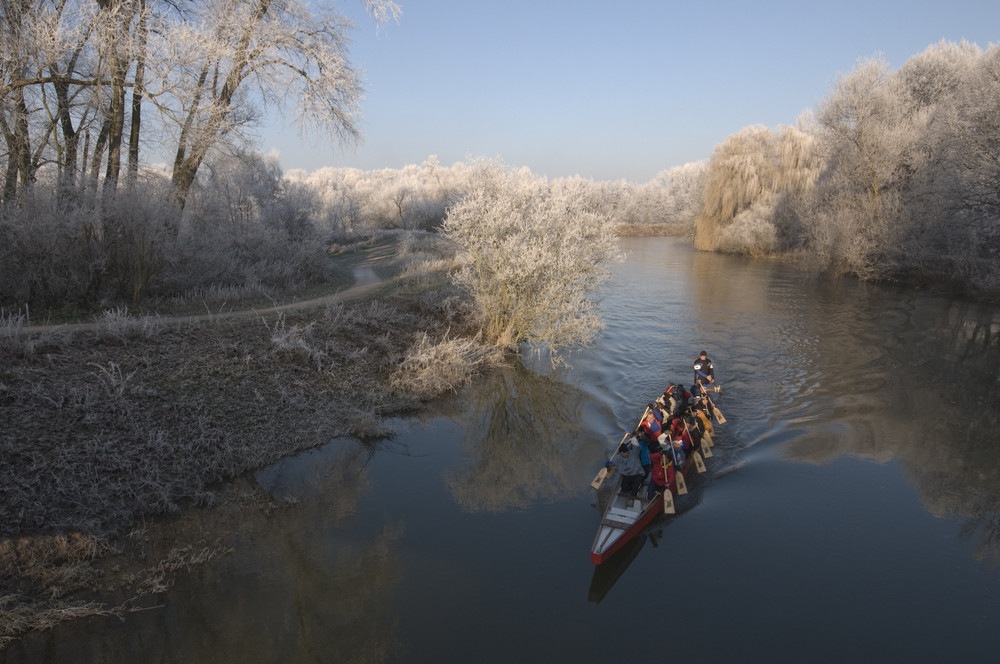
x=114 y=425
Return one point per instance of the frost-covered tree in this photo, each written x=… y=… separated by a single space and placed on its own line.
x=937 y=74
x=956 y=216
x=533 y=255
x=683 y=190
x=869 y=137
x=667 y=204
x=26 y=53
x=284 y=49
x=414 y=197
x=68 y=68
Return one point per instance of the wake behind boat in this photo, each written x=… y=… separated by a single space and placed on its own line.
x=679 y=445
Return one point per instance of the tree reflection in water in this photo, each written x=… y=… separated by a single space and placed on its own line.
x=868 y=371
x=321 y=587
x=525 y=442
x=923 y=392
x=303 y=582
x=328 y=592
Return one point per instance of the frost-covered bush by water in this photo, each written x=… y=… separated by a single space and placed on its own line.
x=532 y=254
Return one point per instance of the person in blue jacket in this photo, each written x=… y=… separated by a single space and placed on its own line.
x=703 y=369
x=627 y=460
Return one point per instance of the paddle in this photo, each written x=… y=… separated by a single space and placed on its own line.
x=715 y=409
x=715 y=387
x=668 y=496
x=603 y=472
x=668 y=502
x=698 y=463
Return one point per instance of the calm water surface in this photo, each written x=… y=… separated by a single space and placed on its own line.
x=852 y=510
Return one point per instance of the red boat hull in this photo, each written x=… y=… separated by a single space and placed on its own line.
x=602 y=550
x=645 y=518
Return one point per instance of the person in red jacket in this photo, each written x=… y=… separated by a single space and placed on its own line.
x=660 y=474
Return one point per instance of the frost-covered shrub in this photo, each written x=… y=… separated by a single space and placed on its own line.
x=72 y=248
x=245 y=225
x=532 y=257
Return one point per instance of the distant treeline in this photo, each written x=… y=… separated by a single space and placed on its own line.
x=894 y=176
x=248 y=228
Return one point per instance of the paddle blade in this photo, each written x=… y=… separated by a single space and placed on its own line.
x=719 y=416
x=599 y=480
x=698 y=463
x=681 y=484
x=706 y=449
x=668 y=502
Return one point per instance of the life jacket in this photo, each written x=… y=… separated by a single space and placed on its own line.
x=658 y=470
x=706 y=422
x=652 y=431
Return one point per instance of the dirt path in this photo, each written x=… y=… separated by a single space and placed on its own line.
x=366 y=281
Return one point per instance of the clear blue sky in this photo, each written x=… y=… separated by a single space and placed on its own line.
x=608 y=90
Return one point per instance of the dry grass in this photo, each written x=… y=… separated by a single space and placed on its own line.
x=18 y=618
x=103 y=429
x=43 y=573
x=134 y=419
x=431 y=369
x=217 y=294
x=57 y=562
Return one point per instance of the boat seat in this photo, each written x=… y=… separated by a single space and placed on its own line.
x=615 y=523
x=623 y=513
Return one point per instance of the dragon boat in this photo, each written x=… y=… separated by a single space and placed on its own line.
x=625 y=516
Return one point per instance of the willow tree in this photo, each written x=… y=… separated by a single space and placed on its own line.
x=533 y=254
x=749 y=177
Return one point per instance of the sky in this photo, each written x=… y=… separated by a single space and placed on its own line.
x=620 y=89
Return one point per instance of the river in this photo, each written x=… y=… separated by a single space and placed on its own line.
x=851 y=510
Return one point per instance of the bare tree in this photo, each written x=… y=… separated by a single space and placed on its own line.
x=137 y=89
x=115 y=38
x=66 y=68
x=17 y=68
x=282 y=49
